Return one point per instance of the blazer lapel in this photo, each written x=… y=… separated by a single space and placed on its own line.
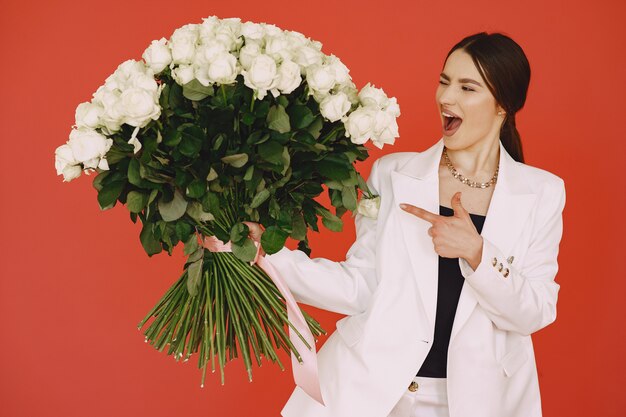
x=417 y=183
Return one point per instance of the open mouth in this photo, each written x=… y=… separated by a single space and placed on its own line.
x=451 y=123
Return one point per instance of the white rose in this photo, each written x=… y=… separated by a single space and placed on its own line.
x=88 y=115
x=278 y=47
x=207 y=28
x=271 y=30
x=248 y=53
x=183 y=43
x=320 y=78
x=392 y=107
x=335 y=106
x=350 y=90
x=369 y=207
x=385 y=129
x=66 y=164
x=360 y=124
x=342 y=75
x=139 y=107
x=307 y=55
x=372 y=96
x=183 y=74
x=262 y=75
x=89 y=147
x=251 y=30
x=289 y=77
x=229 y=33
x=222 y=69
x=296 y=40
x=157 y=55
x=111 y=118
x=126 y=74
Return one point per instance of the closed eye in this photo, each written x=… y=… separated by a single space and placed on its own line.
x=464 y=87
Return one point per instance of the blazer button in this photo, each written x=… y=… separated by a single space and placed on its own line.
x=413 y=386
x=494 y=261
x=506 y=272
x=510 y=259
x=500 y=267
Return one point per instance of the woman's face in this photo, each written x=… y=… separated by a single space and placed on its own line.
x=463 y=92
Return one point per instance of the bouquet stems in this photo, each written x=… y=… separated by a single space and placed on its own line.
x=237 y=306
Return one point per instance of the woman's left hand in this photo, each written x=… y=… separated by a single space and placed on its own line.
x=453 y=236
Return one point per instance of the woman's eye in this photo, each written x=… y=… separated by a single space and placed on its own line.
x=441 y=82
x=467 y=88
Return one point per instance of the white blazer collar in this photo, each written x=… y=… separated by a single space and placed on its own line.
x=417 y=183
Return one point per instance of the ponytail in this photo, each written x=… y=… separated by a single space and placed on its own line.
x=511 y=139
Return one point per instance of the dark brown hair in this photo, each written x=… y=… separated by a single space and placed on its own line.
x=504 y=66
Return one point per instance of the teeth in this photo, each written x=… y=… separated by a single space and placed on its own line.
x=447 y=115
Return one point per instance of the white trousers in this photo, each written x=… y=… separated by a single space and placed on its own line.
x=430 y=399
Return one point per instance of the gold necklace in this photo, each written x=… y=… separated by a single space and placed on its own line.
x=467 y=181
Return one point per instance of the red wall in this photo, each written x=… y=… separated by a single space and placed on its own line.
x=75 y=281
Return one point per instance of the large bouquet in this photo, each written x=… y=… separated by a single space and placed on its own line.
x=223 y=123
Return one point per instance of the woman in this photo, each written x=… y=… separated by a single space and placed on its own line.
x=444 y=288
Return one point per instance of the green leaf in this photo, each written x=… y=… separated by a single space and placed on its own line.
x=150 y=244
x=349 y=197
x=259 y=198
x=191 y=244
x=196 y=212
x=196 y=188
x=191 y=143
x=271 y=151
x=277 y=119
x=174 y=209
x=97 y=181
x=194 y=273
x=316 y=127
x=237 y=160
x=248 y=118
x=333 y=170
x=273 y=239
x=249 y=172
x=136 y=201
x=246 y=251
x=196 y=91
x=211 y=203
x=334 y=225
x=134 y=176
x=300 y=116
x=153 y=195
x=238 y=232
x=298 y=227
x=183 y=232
x=171 y=137
x=109 y=193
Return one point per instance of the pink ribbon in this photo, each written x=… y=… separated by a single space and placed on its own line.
x=305 y=373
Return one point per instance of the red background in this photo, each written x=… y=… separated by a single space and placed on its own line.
x=75 y=281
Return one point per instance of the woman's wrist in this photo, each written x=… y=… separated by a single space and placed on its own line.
x=475 y=256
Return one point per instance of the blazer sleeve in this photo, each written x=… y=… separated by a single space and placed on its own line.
x=343 y=287
x=525 y=300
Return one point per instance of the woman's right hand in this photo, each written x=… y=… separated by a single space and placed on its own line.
x=255 y=233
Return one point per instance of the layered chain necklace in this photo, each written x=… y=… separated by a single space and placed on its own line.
x=467 y=181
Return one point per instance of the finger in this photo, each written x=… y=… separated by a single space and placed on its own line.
x=255 y=230
x=421 y=213
x=457 y=206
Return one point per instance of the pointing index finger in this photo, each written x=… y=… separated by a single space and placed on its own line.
x=421 y=213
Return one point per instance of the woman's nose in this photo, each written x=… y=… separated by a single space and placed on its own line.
x=447 y=97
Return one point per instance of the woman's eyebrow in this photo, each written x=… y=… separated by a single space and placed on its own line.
x=462 y=80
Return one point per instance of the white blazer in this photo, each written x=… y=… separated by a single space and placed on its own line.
x=387 y=287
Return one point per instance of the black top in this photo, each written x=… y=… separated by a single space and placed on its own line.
x=450 y=283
